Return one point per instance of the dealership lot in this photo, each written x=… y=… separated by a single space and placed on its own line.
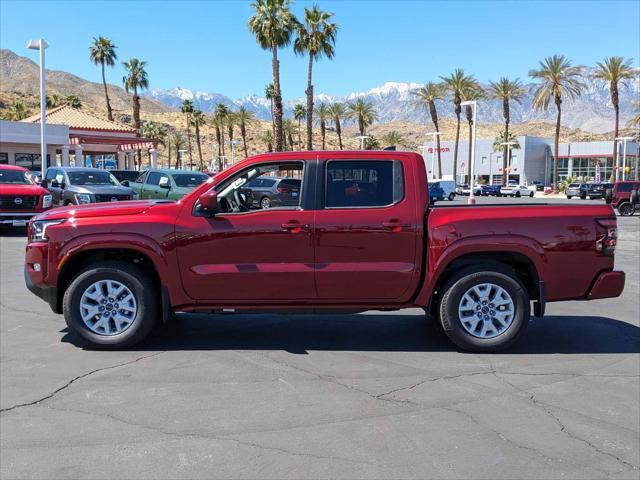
x=375 y=395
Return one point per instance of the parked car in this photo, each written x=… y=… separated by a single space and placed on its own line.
x=122 y=175
x=81 y=185
x=166 y=183
x=624 y=197
x=362 y=236
x=20 y=197
x=597 y=190
x=576 y=190
x=491 y=190
x=516 y=191
x=268 y=192
x=466 y=190
x=436 y=192
x=538 y=185
x=448 y=186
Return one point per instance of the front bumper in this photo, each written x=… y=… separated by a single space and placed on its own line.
x=17 y=219
x=46 y=293
x=607 y=285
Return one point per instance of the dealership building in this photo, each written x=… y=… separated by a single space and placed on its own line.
x=533 y=161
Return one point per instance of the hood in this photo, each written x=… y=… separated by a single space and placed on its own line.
x=98 y=210
x=101 y=189
x=15 y=189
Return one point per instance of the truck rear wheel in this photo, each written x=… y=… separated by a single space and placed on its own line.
x=625 y=209
x=111 y=305
x=484 y=309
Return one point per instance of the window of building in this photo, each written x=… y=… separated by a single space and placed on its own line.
x=4 y=158
x=514 y=159
x=363 y=183
x=484 y=161
x=30 y=161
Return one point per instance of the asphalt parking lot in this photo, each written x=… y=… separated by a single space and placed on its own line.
x=374 y=395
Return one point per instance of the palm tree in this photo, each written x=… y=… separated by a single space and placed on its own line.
x=244 y=117
x=316 y=37
x=558 y=79
x=267 y=139
x=53 y=101
x=154 y=131
x=17 y=112
x=614 y=70
x=272 y=25
x=393 y=138
x=456 y=83
x=187 y=109
x=635 y=120
x=299 y=113
x=220 y=120
x=427 y=96
x=506 y=90
x=103 y=52
x=289 y=130
x=363 y=112
x=338 y=111
x=136 y=78
x=73 y=101
x=323 y=115
x=230 y=121
x=472 y=92
x=498 y=146
x=177 y=141
x=269 y=95
x=198 y=118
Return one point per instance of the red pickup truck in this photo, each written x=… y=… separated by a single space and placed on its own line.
x=20 y=197
x=360 y=236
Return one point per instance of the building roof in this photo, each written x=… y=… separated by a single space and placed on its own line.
x=79 y=120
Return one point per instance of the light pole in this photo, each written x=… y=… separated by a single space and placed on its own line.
x=624 y=155
x=362 y=139
x=433 y=153
x=232 y=144
x=509 y=145
x=42 y=46
x=181 y=153
x=474 y=105
x=424 y=154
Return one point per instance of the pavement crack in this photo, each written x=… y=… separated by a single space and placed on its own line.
x=422 y=382
x=75 y=379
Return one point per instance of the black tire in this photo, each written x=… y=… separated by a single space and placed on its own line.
x=635 y=197
x=569 y=197
x=531 y=195
x=460 y=283
x=265 y=202
x=140 y=285
x=452 y=196
x=625 y=209
x=608 y=196
x=518 y=194
x=583 y=196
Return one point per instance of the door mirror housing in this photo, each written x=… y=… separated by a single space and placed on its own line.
x=209 y=202
x=54 y=183
x=124 y=183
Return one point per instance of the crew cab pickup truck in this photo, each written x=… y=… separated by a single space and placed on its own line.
x=362 y=237
x=20 y=197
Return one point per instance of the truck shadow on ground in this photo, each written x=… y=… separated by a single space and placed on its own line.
x=376 y=332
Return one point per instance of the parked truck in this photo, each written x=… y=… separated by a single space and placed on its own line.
x=362 y=236
x=20 y=197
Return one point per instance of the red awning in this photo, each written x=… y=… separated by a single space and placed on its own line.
x=123 y=143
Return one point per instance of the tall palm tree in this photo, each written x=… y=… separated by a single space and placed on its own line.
x=267 y=139
x=272 y=24
x=504 y=137
x=393 y=138
x=154 y=131
x=230 y=121
x=456 y=84
x=187 y=108
x=220 y=121
x=635 y=120
x=136 y=78
x=323 y=115
x=506 y=90
x=53 y=101
x=73 y=101
x=198 y=118
x=363 y=112
x=614 y=70
x=177 y=141
x=289 y=130
x=315 y=37
x=473 y=91
x=269 y=95
x=338 y=111
x=244 y=117
x=427 y=96
x=299 y=113
x=17 y=112
x=558 y=79
x=103 y=52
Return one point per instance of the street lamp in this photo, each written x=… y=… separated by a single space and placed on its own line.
x=362 y=139
x=433 y=153
x=474 y=105
x=42 y=46
x=509 y=145
x=424 y=154
x=624 y=155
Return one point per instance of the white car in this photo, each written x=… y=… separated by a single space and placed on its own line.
x=516 y=191
x=465 y=190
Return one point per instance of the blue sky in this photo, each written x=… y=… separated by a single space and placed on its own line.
x=205 y=45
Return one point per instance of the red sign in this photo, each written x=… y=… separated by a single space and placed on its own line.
x=443 y=149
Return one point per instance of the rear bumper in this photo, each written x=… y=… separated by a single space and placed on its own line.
x=607 y=285
x=46 y=293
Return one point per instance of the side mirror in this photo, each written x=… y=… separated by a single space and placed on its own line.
x=209 y=201
x=124 y=183
x=44 y=183
x=165 y=185
x=54 y=183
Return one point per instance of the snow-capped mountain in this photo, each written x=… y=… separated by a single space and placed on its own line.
x=592 y=111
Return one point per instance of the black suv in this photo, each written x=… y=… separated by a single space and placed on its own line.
x=79 y=185
x=598 y=190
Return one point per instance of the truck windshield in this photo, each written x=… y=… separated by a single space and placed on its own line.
x=92 y=178
x=189 y=179
x=15 y=177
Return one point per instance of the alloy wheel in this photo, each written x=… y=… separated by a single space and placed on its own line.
x=108 y=307
x=486 y=310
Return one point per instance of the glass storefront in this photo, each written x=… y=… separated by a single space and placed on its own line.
x=584 y=169
x=30 y=161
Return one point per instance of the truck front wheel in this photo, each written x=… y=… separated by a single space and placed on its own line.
x=484 y=309
x=111 y=305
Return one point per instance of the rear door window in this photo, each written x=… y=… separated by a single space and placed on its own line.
x=363 y=183
x=624 y=187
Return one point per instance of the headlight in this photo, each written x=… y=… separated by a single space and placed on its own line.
x=82 y=198
x=46 y=201
x=39 y=229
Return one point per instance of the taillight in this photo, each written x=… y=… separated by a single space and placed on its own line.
x=283 y=190
x=606 y=236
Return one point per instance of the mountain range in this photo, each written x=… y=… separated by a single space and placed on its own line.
x=592 y=111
